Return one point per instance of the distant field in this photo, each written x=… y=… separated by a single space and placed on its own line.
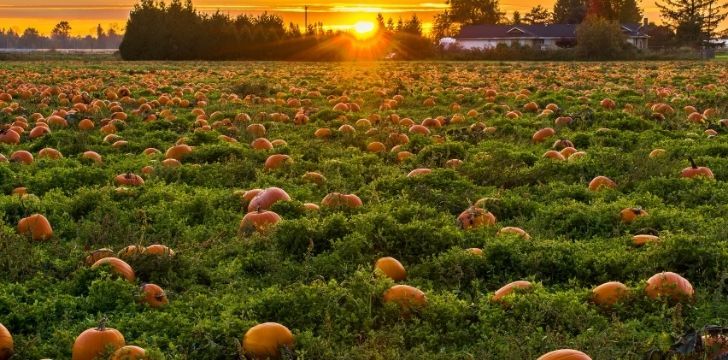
x=458 y=181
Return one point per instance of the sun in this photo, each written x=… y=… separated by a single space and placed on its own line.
x=363 y=29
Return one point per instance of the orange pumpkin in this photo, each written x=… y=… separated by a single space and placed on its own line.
x=543 y=134
x=474 y=217
x=37 y=226
x=22 y=156
x=9 y=137
x=159 y=250
x=341 y=200
x=264 y=341
x=609 y=293
x=6 y=343
x=49 y=153
x=276 y=161
x=608 y=104
x=311 y=207
x=695 y=171
x=97 y=255
x=376 y=146
x=154 y=296
x=669 y=284
x=117 y=266
x=130 y=251
x=475 y=251
x=407 y=297
x=601 y=182
x=266 y=198
x=92 y=155
x=639 y=240
x=129 y=352
x=96 y=341
x=261 y=144
x=129 y=179
x=178 y=152
x=509 y=288
x=553 y=154
x=259 y=221
x=629 y=215
x=392 y=268
x=564 y=354
x=418 y=172
x=513 y=230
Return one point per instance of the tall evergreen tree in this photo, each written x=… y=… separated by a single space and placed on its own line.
x=537 y=15
x=569 y=11
x=694 y=21
x=476 y=12
x=516 y=18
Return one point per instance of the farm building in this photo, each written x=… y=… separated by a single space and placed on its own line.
x=540 y=36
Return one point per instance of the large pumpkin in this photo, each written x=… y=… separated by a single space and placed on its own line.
x=696 y=171
x=609 y=293
x=118 y=266
x=37 y=226
x=407 y=297
x=154 y=296
x=6 y=343
x=259 y=221
x=264 y=341
x=129 y=352
x=392 y=268
x=178 y=152
x=266 y=198
x=564 y=354
x=96 y=341
x=669 y=284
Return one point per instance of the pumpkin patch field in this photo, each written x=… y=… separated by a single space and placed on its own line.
x=363 y=210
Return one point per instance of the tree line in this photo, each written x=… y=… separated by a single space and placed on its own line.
x=177 y=31
x=60 y=38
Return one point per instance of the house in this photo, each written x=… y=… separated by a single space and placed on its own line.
x=542 y=36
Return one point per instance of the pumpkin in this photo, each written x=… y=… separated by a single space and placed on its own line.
x=178 y=152
x=629 y=215
x=336 y=200
x=314 y=177
x=454 y=163
x=6 y=343
x=407 y=297
x=257 y=130
x=419 y=129
x=475 y=251
x=266 y=198
x=601 y=182
x=159 y=250
x=20 y=191
x=561 y=144
x=22 y=156
x=96 y=341
x=669 y=284
x=695 y=171
x=129 y=352
x=376 y=147
x=276 y=161
x=151 y=151
x=130 y=251
x=418 y=172
x=250 y=194
x=639 y=240
x=259 y=221
x=171 y=163
x=474 y=217
x=509 y=288
x=609 y=293
x=261 y=144
x=9 y=137
x=86 y=124
x=553 y=154
x=311 y=207
x=513 y=230
x=117 y=266
x=97 y=255
x=264 y=341
x=542 y=135
x=608 y=104
x=37 y=226
x=657 y=153
x=564 y=354
x=154 y=296
x=322 y=133
x=392 y=268
x=715 y=345
x=563 y=120
x=93 y=156
x=129 y=179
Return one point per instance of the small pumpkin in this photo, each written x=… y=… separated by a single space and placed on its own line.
x=129 y=179
x=513 y=230
x=474 y=217
x=260 y=220
x=642 y=239
x=130 y=251
x=564 y=354
x=601 y=182
x=543 y=134
x=97 y=255
x=669 y=284
x=154 y=296
x=22 y=156
x=264 y=341
x=314 y=177
x=407 y=297
x=419 y=172
x=158 y=250
x=96 y=341
x=129 y=352
x=117 y=266
x=695 y=170
x=37 y=226
x=609 y=293
x=392 y=268
x=261 y=144
x=276 y=161
x=266 y=198
x=629 y=215
x=336 y=200
x=6 y=343
x=510 y=288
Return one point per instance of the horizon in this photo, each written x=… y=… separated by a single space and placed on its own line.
x=83 y=17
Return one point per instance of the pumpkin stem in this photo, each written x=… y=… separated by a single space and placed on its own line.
x=102 y=324
x=692 y=162
x=258 y=209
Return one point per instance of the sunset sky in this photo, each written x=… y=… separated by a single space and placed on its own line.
x=84 y=15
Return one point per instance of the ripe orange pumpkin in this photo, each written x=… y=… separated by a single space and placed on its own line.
x=407 y=297
x=341 y=200
x=159 y=250
x=6 y=343
x=564 y=354
x=92 y=155
x=513 y=230
x=96 y=341
x=37 y=226
x=154 y=296
x=22 y=156
x=629 y=215
x=264 y=341
x=695 y=171
x=639 y=240
x=266 y=198
x=600 y=182
x=609 y=293
x=418 y=172
x=392 y=268
x=475 y=251
x=130 y=251
x=276 y=161
x=118 y=266
x=8 y=136
x=259 y=221
x=261 y=144
x=474 y=217
x=608 y=103
x=376 y=147
x=509 y=288
x=669 y=284
x=129 y=179
x=129 y=352
x=555 y=155
x=97 y=255
x=543 y=134
x=178 y=152
x=86 y=124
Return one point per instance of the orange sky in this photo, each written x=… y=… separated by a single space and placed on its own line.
x=84 y=15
